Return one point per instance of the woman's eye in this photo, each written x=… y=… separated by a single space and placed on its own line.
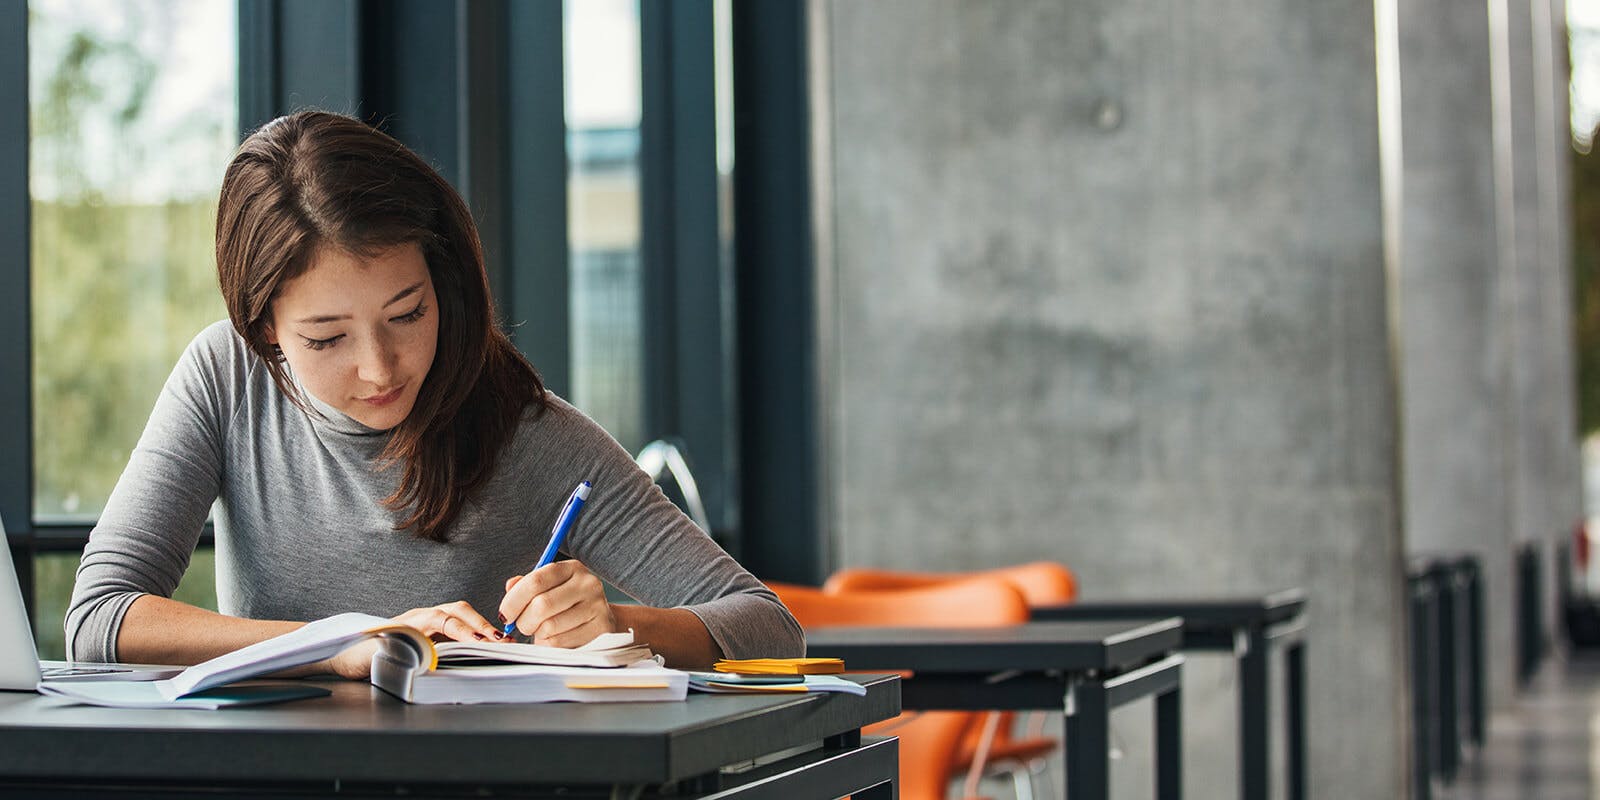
x=321 y=344
x=414 y=315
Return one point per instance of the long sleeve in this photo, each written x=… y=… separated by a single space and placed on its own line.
x=639 y=542
x=154 y=517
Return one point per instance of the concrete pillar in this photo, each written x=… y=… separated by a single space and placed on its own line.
x=1452 y=340
x=1531 y=226
x=1110 y=288
x=1562 y=463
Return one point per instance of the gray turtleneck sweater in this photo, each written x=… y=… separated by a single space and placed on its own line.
x=302 y=532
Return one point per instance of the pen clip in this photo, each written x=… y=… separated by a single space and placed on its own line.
x=566 y=507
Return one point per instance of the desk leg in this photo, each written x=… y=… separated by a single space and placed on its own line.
x=883 y=791
x=1449 y=692
x=1088 y=741
x=1475 y=659
x=1169 y=745
x=1294 y=658
x=1255 y=753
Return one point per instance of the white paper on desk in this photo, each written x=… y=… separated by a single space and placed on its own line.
x=706 y=682
x=144 y=694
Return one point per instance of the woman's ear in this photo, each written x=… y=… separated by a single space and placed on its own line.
x=272 y=334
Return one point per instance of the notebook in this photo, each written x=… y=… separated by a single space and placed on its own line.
x=411 y=667
x=20 y=667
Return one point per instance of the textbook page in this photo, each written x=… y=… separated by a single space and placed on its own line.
x=316 y=641
x=605 y=650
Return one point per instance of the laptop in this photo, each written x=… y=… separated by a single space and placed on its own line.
x=20 y=667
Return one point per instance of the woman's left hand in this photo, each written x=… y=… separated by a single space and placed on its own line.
x=561 y=604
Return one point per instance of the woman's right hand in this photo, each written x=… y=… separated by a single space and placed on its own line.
x=457 y=621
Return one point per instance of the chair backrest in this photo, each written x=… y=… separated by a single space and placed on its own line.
x=1042 y=583
x=972 y=603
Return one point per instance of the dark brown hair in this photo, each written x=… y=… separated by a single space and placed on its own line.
x=315 y=179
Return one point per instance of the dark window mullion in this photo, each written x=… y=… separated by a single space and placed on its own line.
x=657 y=224
x=779 y=428
x=537 y=281
x=686 y=356
x=16 y=370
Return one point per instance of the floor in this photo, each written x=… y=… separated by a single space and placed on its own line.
x=1544 y=747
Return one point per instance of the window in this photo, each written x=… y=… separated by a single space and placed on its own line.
x=595 y=128
x=603 y=98
x=131 y=121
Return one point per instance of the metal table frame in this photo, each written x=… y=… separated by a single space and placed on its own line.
x=1249 y=627
x=1447 y=663
x=1082 y=669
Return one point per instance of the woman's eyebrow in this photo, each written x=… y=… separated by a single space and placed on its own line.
x=409 y=290
x=321 y=318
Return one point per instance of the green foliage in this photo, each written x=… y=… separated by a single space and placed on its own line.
x=53 y=574
x=117 y=293
x=122 y=273
x=1585 y=171
x=120 y=283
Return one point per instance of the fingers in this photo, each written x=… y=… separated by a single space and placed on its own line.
x=522 y=589
x=468 y=616
x=573 y=627
x=458 y=621
x=560 y=604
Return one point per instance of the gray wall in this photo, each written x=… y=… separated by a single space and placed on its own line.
x=1455 y=401
x=1108 y=287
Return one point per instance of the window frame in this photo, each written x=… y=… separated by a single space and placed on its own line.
x=16 y=363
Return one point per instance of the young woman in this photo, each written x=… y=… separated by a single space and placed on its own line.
x=373 y=442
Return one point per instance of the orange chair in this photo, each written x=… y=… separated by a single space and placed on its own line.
x=1042 y=583
x=991 y=747
x=929 y=741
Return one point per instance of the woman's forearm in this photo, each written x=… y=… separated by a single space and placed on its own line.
x=674 y=633
x=159 y=630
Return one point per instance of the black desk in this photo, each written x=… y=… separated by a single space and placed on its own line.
x=1083 y=668
x=1246 y=626
x=361 y=741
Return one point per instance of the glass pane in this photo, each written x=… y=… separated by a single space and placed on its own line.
x=53 y=574
x=132 y=120
x=602 y=111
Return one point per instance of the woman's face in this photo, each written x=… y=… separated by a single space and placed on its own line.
x=360 y=333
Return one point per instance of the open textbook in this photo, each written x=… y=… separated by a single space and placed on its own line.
x=410 y=666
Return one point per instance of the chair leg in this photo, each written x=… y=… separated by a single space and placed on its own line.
x=980 y=759
x=1022 y=782
x=1039 y=770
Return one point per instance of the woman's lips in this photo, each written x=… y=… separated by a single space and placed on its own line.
x=384 y=399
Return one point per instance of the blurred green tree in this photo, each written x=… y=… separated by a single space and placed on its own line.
x=126 y=152
x=1585 y=171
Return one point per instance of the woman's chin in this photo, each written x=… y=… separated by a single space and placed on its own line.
x=380 y=419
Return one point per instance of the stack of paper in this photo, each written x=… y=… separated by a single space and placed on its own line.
x=781 y=666
x=395 y=672
x=711 y=683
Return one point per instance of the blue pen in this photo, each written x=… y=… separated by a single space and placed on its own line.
x=558 y=534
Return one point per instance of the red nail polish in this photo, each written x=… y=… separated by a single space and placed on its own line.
x=480 y=637
x=503 y=617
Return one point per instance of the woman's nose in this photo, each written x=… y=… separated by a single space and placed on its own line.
x=377 y=362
